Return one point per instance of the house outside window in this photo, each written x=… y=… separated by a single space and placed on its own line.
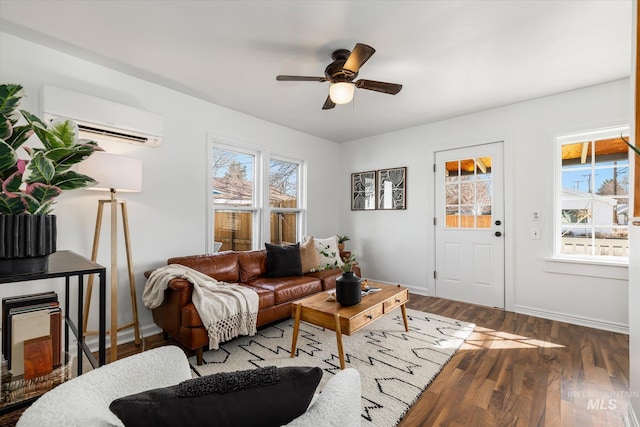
x=236 y=207
x=592 y=195
x=284 y=201
x=249 y=207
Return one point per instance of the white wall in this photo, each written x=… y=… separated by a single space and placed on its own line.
x=397 y=246
x=168 y=218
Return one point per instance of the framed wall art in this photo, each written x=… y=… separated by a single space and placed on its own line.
x=363 y=191
x=392 y=188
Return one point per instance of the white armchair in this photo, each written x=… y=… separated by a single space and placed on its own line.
x=84 y=401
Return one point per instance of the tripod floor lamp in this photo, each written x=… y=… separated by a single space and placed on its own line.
x=123 y=174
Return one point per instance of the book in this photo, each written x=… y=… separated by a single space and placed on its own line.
x=38 y=357
x=56 y=336
x=25 y=326
x=19 y=301
x=369 y=290
x=49 y=306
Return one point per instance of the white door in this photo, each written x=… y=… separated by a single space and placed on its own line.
x=469 y=225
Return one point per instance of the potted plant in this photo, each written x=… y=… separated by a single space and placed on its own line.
x=348 y=290
x=29 y=187
x=341 y=240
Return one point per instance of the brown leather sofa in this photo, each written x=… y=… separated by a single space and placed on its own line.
x=177 y=316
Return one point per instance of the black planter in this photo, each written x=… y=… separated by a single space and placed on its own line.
x=348 y=290
x=26 y=241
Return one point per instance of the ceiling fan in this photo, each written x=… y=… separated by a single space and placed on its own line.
x=341 y=72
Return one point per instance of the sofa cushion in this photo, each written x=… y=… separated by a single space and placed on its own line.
x=283 y=261
x=252 y=264
x=287 y=289
x=308 y=256
x=222 y=266
x=270 y=404
x=327 y=250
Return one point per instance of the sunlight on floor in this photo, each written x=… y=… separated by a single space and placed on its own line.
x=489 y=338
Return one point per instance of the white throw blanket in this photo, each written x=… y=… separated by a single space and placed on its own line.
x=226 y=310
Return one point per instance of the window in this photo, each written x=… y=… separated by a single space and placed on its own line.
x=284 y=184
x=468 y=192
x=235 y=199
x=592 y=196
x=248 y=208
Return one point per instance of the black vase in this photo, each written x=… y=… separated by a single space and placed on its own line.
x=348 y=290
x=26 y=241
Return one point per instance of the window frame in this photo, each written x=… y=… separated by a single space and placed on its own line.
x=575 y=137
x=261 y=208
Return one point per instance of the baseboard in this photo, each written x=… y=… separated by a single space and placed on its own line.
x=575 y=320
x=123 y=336
x=412 y=289
x=551 y=315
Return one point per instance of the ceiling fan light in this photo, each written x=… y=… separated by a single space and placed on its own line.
x=341 y=92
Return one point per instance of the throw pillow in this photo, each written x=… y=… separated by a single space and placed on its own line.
x=309 y=256
x=328 y=252
x=271 y=404
x=283 y=261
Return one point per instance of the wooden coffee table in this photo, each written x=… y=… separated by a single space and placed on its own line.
x=347 y=320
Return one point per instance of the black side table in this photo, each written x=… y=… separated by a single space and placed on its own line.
x=68 y=264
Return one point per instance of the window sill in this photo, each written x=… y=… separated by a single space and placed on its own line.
x=580 y=267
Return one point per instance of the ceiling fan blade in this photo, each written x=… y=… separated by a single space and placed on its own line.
x=390 y=88
x=328 y=104
x=359 y=55
x=300 y=79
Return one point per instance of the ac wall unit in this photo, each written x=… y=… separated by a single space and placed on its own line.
x=103 y=120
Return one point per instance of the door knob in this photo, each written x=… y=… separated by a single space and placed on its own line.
x=498 y=234
x=498 y=222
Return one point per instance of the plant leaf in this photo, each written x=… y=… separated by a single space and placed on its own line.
x=48 y=139
x=65 y=130
x=12 y=204
x=19 y=136
x=8 y=158
x=10 y=96
x=71 y=180
x=42 y=169
x=68 y=156
x=12 y=183
x=43 y=192
x=6 y=127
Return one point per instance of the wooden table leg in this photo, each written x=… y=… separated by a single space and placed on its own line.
x=296 y=326
x=339 y=339
x=404 y=317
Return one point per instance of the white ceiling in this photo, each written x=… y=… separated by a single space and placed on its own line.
x=453 y=57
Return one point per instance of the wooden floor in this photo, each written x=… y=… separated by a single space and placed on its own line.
x=516 y=370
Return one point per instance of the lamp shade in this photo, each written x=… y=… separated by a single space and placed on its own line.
x=342 y=92
x=113 y=171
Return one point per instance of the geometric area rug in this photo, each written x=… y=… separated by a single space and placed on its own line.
x=395 y=366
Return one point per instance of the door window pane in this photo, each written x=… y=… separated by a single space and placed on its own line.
x=468 y=193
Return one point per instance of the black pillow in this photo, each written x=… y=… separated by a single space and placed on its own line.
x=273 y=404
x=283 y=261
